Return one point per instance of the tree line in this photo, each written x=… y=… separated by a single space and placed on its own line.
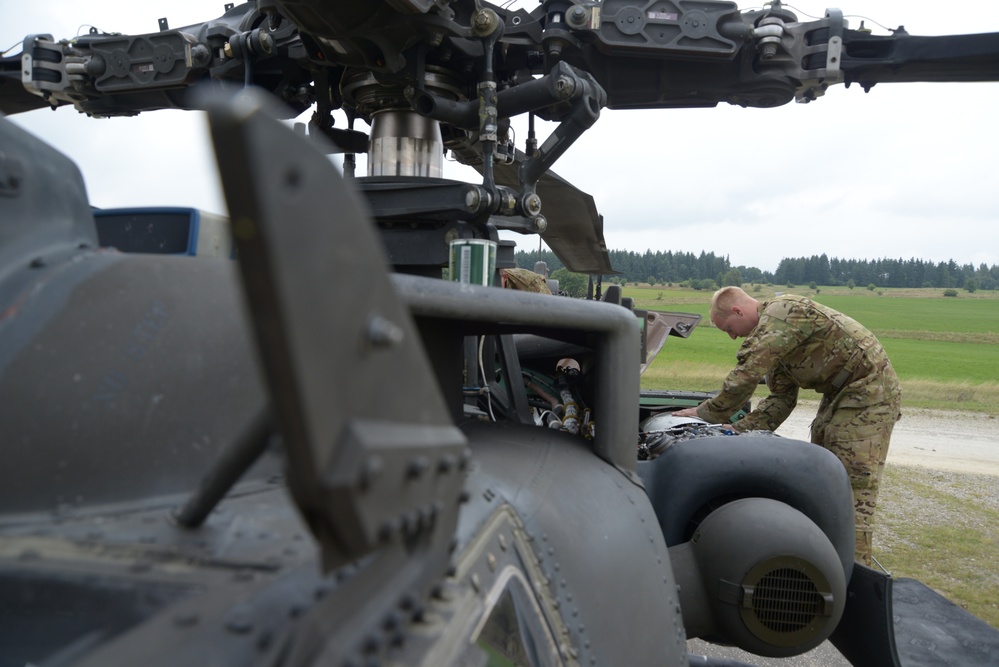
x=707 y=270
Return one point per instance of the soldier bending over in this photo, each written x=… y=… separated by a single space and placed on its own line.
x=797 y=343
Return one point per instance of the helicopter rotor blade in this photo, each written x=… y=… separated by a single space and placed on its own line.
x=899 y=58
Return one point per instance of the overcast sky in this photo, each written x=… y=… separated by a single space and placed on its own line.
x=906 y=171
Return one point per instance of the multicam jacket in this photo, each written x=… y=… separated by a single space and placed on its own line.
x=526 y=280
x=801 y=344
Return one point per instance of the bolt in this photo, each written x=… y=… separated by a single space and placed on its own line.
x=200 y=54
x=564 y=87
x=266 y=42
x=417 y=466
x=769 y=51
x=472 y=198
x=371 y=645
x=532 y=204
x=509 y=202
x=383 y=333
x=484 y=22
x=576 y=16
x=239 y=624
x=391 y=621
x=447 y=463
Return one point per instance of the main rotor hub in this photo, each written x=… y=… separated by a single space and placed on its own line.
x=403 y=143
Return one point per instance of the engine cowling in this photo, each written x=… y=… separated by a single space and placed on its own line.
x=762 y=576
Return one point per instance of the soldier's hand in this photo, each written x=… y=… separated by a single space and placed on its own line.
x=686 y=412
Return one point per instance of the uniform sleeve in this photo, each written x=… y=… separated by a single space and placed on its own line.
x=775 y=408
x=759 y=355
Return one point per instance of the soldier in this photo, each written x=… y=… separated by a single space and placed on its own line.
x=524 y=279
x=796 y=343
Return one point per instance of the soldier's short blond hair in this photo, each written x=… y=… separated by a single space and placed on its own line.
x=723 y=300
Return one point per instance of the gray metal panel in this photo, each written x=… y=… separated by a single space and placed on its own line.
x=372 y=451
x=122 y=378
x=36 y=226
x=594 y=534
x=611 y=330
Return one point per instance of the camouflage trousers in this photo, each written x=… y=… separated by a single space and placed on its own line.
x=859 y=438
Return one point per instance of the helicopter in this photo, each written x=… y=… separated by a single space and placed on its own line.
x=254 y=457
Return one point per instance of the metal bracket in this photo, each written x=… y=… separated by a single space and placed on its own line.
x=815 y=82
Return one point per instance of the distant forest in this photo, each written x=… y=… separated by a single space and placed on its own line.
x=706 y=271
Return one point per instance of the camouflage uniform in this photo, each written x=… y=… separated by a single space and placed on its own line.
x=526 y=280
x=801 y=344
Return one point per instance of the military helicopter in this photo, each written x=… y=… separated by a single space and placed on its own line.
x=253 y=459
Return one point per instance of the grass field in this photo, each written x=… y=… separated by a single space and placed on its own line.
x=944 y=349
x=942 y=528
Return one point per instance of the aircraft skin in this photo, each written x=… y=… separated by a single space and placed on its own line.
x=262 y=461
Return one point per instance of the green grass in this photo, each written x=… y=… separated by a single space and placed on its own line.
x=919 y=314
x=942 y=529
x=941 y=360
x=945 y=350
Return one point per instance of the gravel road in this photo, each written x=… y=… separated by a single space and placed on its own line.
x=940 y=439
x=957 y=442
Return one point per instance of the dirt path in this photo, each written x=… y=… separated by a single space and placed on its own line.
x=962 y=442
